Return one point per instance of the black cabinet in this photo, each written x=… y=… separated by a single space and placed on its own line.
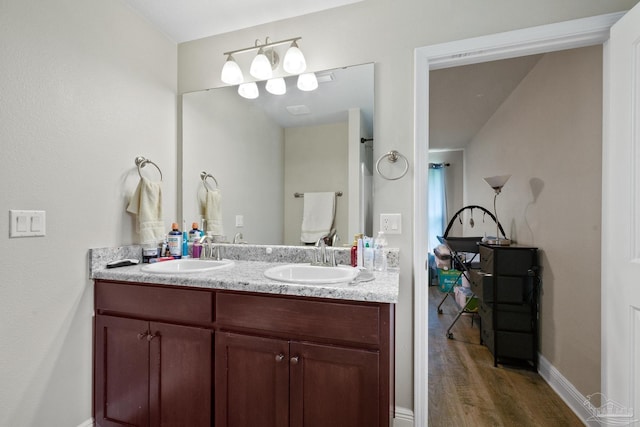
x=507 y=289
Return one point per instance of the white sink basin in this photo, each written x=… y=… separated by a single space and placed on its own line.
x=187 y=265
x=310 y=274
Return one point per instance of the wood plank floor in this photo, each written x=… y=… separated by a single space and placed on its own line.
x=466 y=390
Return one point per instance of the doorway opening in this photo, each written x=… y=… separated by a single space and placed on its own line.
x=554 y=37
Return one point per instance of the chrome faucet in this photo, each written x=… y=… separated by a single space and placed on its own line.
x=324 y=256
x=208 y=247
x=238 y=238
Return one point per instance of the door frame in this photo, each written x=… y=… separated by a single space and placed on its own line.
x=529 y=41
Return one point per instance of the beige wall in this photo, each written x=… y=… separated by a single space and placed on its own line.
x=86 y=87
x=548 y=136
x=382 y=32
x=315 y=160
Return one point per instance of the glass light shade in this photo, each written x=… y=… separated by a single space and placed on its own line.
x=294 y=62
x=248 y=90
x=307 y=82
x=497 y=182
x=261 y=67
x=231 y=72
x=276 y=86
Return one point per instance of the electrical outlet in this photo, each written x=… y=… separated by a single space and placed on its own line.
x=239 y=221
x=391 y=223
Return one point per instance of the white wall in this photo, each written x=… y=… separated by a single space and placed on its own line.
x=548 y=136
x=86 y=87
x=383 y=32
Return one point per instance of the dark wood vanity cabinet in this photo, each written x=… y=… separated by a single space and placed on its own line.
x=507 y=288
x=275 y=360
x=146 y=372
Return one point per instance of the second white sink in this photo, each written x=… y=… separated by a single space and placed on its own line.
x=186 y=265
x=309 y=274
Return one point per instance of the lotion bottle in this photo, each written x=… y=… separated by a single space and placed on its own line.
x=174 y=240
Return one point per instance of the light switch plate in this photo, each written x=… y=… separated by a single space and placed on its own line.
x=239 y=221
x=391 y=223
x=25 y=223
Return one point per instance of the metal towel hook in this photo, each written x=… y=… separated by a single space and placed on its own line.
x=393 y=156
x=203 y=176
x=142 y=162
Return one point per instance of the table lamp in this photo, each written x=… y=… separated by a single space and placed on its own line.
x=497 y=182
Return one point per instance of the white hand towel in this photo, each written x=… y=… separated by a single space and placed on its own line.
x=318 y=215
x=213 y=212
x=146 y=202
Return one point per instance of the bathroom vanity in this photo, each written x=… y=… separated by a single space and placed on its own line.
x=235 y=349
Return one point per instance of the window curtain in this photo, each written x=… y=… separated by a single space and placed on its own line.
x=437 y=209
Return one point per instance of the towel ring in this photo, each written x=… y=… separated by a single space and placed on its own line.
x=204 y=176
x=142 y=162
x=393 y=156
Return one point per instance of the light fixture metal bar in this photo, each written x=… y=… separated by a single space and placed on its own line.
x=266 y=45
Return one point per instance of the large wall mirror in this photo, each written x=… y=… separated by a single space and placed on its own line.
x=263 y=151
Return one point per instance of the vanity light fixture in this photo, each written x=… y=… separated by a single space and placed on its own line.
x=231 y=72
x=294 y=62
x=262 y=66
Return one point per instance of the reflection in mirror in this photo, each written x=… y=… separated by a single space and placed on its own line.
x=263 y=151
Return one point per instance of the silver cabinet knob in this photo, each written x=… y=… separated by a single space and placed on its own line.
x=141 y=335
x=279 y=357
x=294 y=360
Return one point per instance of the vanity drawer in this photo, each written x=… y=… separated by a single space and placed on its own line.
x=299 y=318
x=154 y=302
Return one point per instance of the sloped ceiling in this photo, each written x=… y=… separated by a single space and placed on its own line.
x=463 y=99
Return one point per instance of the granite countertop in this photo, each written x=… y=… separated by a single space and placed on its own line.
x=245 y=275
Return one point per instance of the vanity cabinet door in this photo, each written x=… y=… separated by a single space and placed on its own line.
x=333 y=386
x=251 y=381
x=151 y=373
x=121 y=372
x=180 y=385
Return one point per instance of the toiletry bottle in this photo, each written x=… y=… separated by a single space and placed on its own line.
x=194 y=233
x=360 y=252
x=174 y=240
x=368 y=254
x=185 y=244
x=379 y=256
x=354 y=252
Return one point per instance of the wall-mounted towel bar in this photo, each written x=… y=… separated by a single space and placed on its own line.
x=204 y=175
x=298 y=195
x=142 y=162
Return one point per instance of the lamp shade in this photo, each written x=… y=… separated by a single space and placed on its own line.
x=294 y=62
x=231 y=72
x=248 y=90
x=276 y=86
x=261 y=66
x=307 y=82
x=497 y=182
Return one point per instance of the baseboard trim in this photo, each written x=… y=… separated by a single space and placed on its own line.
x=88 y=423
x=404 y=417
x=567 y=392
